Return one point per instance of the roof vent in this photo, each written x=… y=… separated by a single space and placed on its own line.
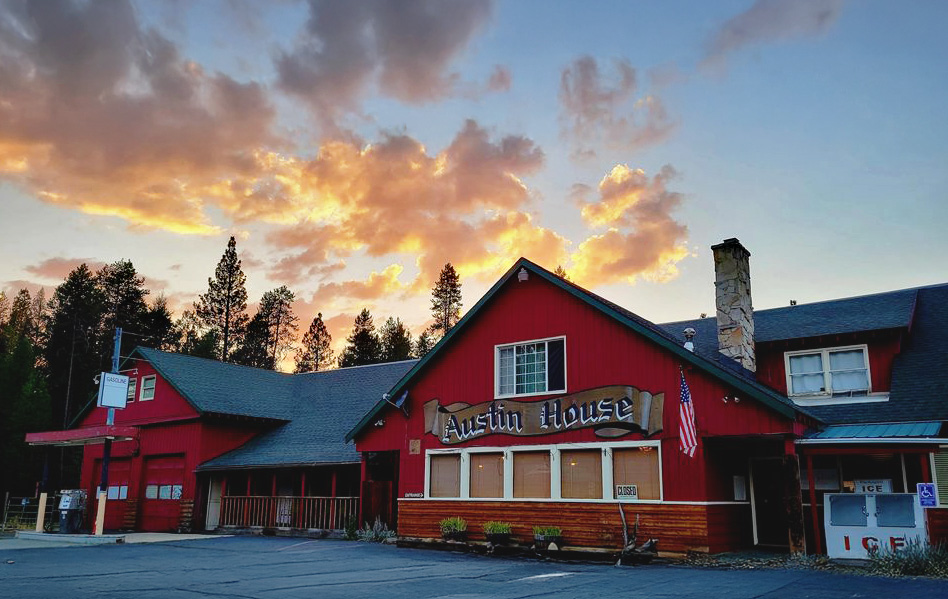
x=689 y=335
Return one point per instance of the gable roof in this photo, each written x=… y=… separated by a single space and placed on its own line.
x=213 y=387
x=728 y=372
x=876 y=312
x=919 y=384
x=324 y=406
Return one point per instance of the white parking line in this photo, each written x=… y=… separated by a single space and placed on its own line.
x=539 y=576
x=294 y=545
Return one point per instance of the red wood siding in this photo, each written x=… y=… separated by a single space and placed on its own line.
x=167 y=405
x=937 y=525
x=678 y=528
x=599 y=351
x=882 y=347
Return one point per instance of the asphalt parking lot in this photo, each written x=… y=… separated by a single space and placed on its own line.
x=261 y=567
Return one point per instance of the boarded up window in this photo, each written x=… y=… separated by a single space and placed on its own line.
x=941 y=475
x=637 y=466
x=581 y=474
x=487 y=475
x=531 y=474
x=445 y=476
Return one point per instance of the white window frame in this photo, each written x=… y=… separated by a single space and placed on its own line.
x=826 y=397
x=555 y=483
x=497 y=348
x=141 y=392
x=132 y=388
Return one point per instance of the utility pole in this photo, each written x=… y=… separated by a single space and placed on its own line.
x=107 y=448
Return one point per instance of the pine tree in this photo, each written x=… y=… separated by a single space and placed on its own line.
x=363 y=345
x=193 y=339
x=224 y=306
x=561 y=272
x=316 y=353
x=158 y=327
x=271 y=331
x=73 y=334
x=123 y=293
x=446 y=301
x=396 y=341
x=423 y=344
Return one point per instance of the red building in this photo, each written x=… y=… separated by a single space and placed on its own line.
x=211 y=445
x=549 y=405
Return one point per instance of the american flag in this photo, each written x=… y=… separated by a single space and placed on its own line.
x=686 y=426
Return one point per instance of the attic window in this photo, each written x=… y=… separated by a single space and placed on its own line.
x=148 y=388
x=830 y=372
x=530 y=368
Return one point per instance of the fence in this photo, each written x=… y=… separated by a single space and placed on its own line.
x=330 y=513
x=19 y=513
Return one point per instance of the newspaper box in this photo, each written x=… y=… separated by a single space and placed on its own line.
x=72 y=505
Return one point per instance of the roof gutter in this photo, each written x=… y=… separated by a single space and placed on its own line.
x=875 y=441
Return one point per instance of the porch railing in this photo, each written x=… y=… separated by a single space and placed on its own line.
x=288 y=512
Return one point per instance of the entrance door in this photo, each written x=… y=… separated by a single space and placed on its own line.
x=164 y=483
x=380 y=488
x=770 y=513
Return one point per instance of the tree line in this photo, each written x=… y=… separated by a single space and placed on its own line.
x=51 y=350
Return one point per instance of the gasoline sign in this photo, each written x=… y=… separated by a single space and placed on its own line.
x=113 y=390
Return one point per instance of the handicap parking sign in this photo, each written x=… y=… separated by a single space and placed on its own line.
x=926 y=495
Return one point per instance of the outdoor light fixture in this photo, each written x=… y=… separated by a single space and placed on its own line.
x=523 y=275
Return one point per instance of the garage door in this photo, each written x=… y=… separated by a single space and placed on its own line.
x=163 y=484
x=119 y=473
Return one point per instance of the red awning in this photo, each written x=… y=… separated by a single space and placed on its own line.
x=83 y=436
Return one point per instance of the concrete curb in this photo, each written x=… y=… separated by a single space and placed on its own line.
x=71 y=539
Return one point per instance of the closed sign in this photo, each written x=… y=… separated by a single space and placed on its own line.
x=627 y=492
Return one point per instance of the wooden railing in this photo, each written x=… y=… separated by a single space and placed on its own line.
x=330 y=513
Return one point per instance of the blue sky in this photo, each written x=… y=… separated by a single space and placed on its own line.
x=814 y=132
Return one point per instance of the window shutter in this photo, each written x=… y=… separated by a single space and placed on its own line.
x=941 y=475
x=556 y=366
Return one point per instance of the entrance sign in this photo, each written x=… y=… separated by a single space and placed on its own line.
x=113 y=390
x=883 y=485
x=613 y=410
x=926 y=495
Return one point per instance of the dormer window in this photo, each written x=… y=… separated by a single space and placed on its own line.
x=530 y=368
x=833 y=372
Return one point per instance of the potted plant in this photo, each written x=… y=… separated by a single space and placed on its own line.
x=454 y=529
x=497 y=533
x=544 y=536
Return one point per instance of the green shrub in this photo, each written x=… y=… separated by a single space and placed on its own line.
x=376 y=533
x=548 y=531
x=453 y=524
x=914 y=559
x=496 y=528
x=352 y=529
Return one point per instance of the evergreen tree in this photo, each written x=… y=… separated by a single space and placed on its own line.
x=446 y=301
x=193 y=339
x=363 y=345
x=423 y=344
x=396 y=341
x=271 y=331
x=123 y=293
x=316 y=353
x=72 y=342
x=158 y=327
x=224 y=306
x=561 y=272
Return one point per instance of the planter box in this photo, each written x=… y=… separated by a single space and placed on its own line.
x=458 y=536
x=543 y=542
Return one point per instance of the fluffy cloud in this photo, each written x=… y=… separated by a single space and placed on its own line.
x=404 y=49
x=642 y=237
x=57 y=268
x=767 y=21
x=596 y=110
x=101 y=114
x=378 y=285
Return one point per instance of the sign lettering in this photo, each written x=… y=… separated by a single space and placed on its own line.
x=614 y=411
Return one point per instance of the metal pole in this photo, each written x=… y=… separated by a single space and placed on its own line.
x=107 y=448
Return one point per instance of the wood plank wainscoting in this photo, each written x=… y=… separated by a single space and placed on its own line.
x=679 y=528
x=937 y=525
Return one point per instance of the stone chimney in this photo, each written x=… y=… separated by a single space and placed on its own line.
x=732 y=296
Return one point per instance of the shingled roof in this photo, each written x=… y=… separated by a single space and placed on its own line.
x=312 y=411
x=919 y=387
x=324 y=406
